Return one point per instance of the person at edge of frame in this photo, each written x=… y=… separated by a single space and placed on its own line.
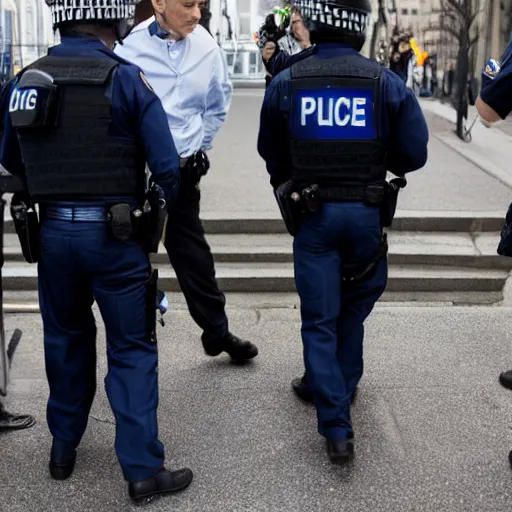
x=188 y=71
x=10 y=421
x=83 y=112
x=357 y=119
x=494 y=104
x=275 y=59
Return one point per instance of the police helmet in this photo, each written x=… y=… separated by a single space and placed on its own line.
x=344 y=21
x=118 y=14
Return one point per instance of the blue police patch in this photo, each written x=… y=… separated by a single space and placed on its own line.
x=22 y=99
x=333 y=114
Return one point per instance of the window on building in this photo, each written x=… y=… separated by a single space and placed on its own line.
x=404 y=11
x=414 y=12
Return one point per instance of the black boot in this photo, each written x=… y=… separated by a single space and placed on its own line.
x=301 y=389
x=164 y=482
x=340 y=451
x=61 y=469
x=506 y=379
x=10 y=421
x=238 y=349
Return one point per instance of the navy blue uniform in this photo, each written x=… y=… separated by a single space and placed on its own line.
x=496 y=92
x=81 y=261
x=342 y=233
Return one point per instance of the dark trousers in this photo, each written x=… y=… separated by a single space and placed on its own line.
x=333 y=313
x=192 y=260
x=80 y=262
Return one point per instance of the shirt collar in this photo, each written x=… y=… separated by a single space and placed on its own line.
x=156 y=30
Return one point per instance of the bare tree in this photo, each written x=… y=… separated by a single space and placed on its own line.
x=457 y=19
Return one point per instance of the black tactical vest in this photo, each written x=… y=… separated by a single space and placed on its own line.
x=333 y=121
x=73 y=157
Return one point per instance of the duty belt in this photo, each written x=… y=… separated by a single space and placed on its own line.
x=75 y=213
x=373 y=194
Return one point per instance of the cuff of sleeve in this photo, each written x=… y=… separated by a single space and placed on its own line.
x=489 y=101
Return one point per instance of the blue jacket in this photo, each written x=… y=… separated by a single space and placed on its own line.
x=137 y=115
x=402 y=125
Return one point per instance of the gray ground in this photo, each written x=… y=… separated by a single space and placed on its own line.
x=238 y=181
x=432 y=423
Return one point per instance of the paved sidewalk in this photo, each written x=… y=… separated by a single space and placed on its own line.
x=239 y=183
x=490 y=148
x=432 y=424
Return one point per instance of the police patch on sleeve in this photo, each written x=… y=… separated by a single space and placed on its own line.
x=333 y=114
x=145 y=80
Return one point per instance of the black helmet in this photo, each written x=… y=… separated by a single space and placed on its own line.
x=343 y=21
x=119 y=14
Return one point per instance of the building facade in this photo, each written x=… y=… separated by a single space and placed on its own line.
x=25 y=34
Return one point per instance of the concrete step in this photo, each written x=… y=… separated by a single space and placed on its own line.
x=28 y=301
x=405 y=220
x=405 y=248
x=279 y=277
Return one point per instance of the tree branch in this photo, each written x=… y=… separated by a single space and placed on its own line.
x=455 y=6
x=473 y=41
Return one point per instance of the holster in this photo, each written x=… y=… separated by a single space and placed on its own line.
x=151 y=305
x=121 y=223
x=289 y=208
x=152 y=221
x=26 y=225
x=505 y=243
x=356 y=272
x=195 y=168
x=388 y=205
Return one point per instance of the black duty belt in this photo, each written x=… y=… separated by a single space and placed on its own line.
x=373 y=194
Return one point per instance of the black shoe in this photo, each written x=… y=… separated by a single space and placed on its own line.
x=164 y=482
x=506 y=379
x=303 y=391
x=340 y=451
x=10 y=421
x=62 y=469
x=238 y=349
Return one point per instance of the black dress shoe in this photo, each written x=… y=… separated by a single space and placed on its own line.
x=506 y=379
x=62 y=469
x=340 y=451
x=164 y=482
x=303 y=391
x=238 y=349
x=9 y=421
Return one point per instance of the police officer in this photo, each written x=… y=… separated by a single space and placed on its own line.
x=80 y=126
x=332 y=124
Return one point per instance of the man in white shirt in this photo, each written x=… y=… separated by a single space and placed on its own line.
x=187 y=70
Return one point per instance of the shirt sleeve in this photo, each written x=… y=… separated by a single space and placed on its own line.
x=408 y=131
x=273 y=135
x=10 y=151
x=497 y=93
x=218 y=99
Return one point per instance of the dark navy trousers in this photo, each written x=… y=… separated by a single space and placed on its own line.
x=80 y=262
x=333 y=313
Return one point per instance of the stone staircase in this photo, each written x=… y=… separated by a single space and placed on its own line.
x=433 y=256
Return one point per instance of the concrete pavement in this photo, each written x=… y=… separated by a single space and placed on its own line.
x=432 y=423
x=238 y=181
